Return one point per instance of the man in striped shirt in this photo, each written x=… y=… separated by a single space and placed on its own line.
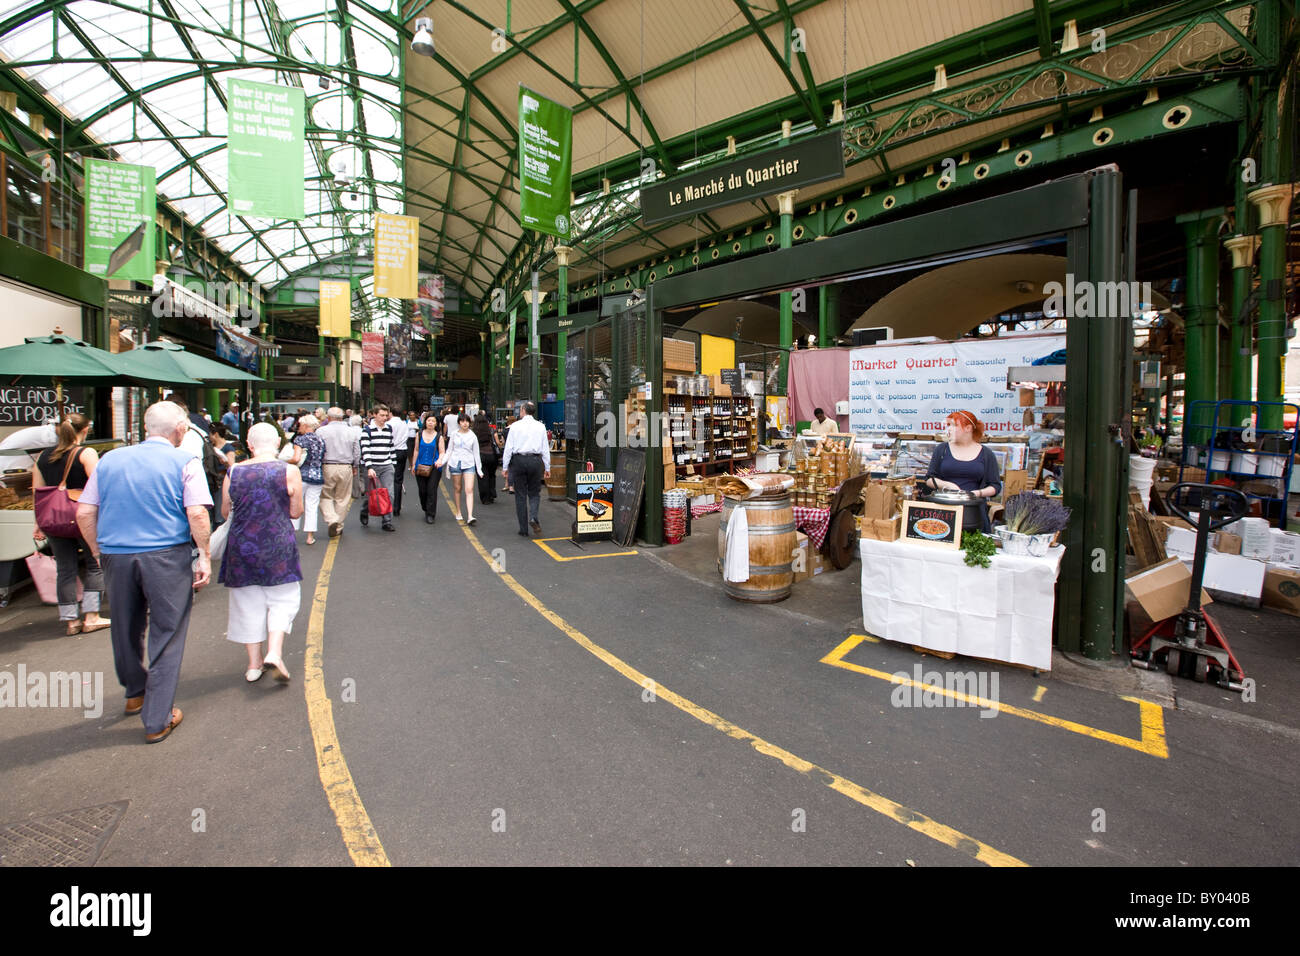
x=378 y=457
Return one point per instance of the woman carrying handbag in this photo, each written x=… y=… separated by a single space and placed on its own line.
x=429 y=447
x=487 y=449
x=61 y=473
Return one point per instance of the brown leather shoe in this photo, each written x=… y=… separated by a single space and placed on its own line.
x=134 y=705
x=163 y=734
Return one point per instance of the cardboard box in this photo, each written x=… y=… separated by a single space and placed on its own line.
x=1161 y=590
x=1225 y=542
x=1014 y=482
x=1285 y=548
x=1282 y=590
x=801 y=558
x=670 y=477
x=888 y=529
x=818 y=562
x=1173 y=522
x=718 y=387
x=1233 y=578
x=1180 y=541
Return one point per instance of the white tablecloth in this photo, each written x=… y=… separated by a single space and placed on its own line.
x=925 y=596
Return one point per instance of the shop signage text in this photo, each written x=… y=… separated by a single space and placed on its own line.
x=914 y=388
x=25 y=405
x=814 y=160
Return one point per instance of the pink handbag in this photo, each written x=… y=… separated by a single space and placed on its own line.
x=45 y=571
x=56 y=512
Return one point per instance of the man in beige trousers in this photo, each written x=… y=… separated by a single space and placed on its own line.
x=342 y=459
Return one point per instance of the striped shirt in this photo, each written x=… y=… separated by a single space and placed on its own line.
x=377 y=447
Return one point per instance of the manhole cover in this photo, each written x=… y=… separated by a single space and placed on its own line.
x=72 y=838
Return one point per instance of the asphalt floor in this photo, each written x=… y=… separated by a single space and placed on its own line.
x=509 y=701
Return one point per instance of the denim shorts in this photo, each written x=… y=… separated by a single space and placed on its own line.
x=462 y=469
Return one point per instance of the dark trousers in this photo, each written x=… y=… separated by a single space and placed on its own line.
x=398 y=473
x=67 y=553
x=151 y=590
x=526 y=479
x=487 y=485
x=428 y=486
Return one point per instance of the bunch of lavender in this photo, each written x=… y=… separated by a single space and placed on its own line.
x=1028 y=513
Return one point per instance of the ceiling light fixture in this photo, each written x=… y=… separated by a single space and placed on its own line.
x=422 y=42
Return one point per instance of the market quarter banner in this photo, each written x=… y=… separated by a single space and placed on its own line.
x=914 y=388
x=121 y=207
x=397 y=241
x=372 y=353
x=335 y=308
x=545 y=164
x=265 y=150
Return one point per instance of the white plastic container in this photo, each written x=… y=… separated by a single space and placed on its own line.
x=1245 y=462
x=1220 y=460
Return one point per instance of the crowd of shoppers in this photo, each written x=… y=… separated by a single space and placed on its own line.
x=146 y=513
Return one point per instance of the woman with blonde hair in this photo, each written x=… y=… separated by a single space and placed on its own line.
x=308 y=453
x=68 y=462
x=261 y=497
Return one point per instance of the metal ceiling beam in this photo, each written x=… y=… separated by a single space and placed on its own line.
x=1043 y=24
x=665 y=163
x=451 y=180
x=534 y=37
x=743 y=7
x=117 y=78
x=810 y=81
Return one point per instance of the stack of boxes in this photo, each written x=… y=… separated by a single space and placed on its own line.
x=1248 y=562
x=882 y=509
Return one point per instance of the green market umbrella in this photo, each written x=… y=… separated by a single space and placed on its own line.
x=60 y=359
x=170 y=360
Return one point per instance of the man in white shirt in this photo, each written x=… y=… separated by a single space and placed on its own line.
x=527 y=460
x=449 y=421
x=400 y=435
x=823 y=425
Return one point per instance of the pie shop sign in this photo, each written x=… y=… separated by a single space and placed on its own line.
x=814 y=160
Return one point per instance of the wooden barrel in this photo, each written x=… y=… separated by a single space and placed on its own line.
x=771 y=544
x=556 y=485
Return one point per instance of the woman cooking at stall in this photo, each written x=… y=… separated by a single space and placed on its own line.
x=963 y=464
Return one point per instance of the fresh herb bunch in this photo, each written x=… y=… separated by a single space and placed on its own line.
x=1028 y=513
x=979 y=548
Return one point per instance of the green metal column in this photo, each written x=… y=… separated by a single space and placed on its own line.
x=1105 y=465
x=828 y=315
x=562 y=339
x=1202 y=317
x=786 y=202
x=1241 y=347
x=212 y=402
x=1273 y=203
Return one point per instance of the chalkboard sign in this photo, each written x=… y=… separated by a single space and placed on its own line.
x=730 y=376
x=932 y=524
x=573 y=374
x=27 y=405
x=629 y=487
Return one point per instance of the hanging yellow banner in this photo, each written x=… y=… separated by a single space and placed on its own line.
x=335 y=309
x=397 y=241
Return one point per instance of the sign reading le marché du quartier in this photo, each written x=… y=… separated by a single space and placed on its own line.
x=813 y=160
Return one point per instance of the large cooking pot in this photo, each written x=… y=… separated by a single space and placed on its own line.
x=946 y=497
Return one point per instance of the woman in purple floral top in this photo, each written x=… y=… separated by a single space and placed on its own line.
x=261 y=496
x=309 y=456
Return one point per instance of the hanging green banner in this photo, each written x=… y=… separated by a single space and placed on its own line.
x=545 y=164
x=120 y=213
x=514 y=316
x=264 y=150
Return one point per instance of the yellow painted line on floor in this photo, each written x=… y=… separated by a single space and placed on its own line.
x=867 y=798
x=349 y=812
x=1151 y=716
x=1038 y=694
x=541 y=543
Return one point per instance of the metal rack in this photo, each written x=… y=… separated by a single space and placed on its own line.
x=1210 y=457
x=722 y=431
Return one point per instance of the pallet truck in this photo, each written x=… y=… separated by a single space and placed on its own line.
x=1191 y=642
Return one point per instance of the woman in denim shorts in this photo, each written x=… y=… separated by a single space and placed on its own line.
x=461 y=459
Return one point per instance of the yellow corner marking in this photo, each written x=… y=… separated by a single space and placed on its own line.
x=867 y=798
x=1151 y=715
x=350 y=813
x=1038 y=694
x=541 y=543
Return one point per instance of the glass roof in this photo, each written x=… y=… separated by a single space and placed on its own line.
x=148 y=81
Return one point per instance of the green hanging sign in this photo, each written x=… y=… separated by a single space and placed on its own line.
x=545 y=164
x=514 y=316
x=121 y=206
x=265 y=149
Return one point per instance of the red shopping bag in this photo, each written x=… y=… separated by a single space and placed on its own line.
x=379 y=502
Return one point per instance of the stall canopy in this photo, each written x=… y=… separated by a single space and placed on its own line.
x=61 y=359
x=171 y=363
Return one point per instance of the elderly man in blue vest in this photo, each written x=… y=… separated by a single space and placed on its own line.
x=138 y=514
